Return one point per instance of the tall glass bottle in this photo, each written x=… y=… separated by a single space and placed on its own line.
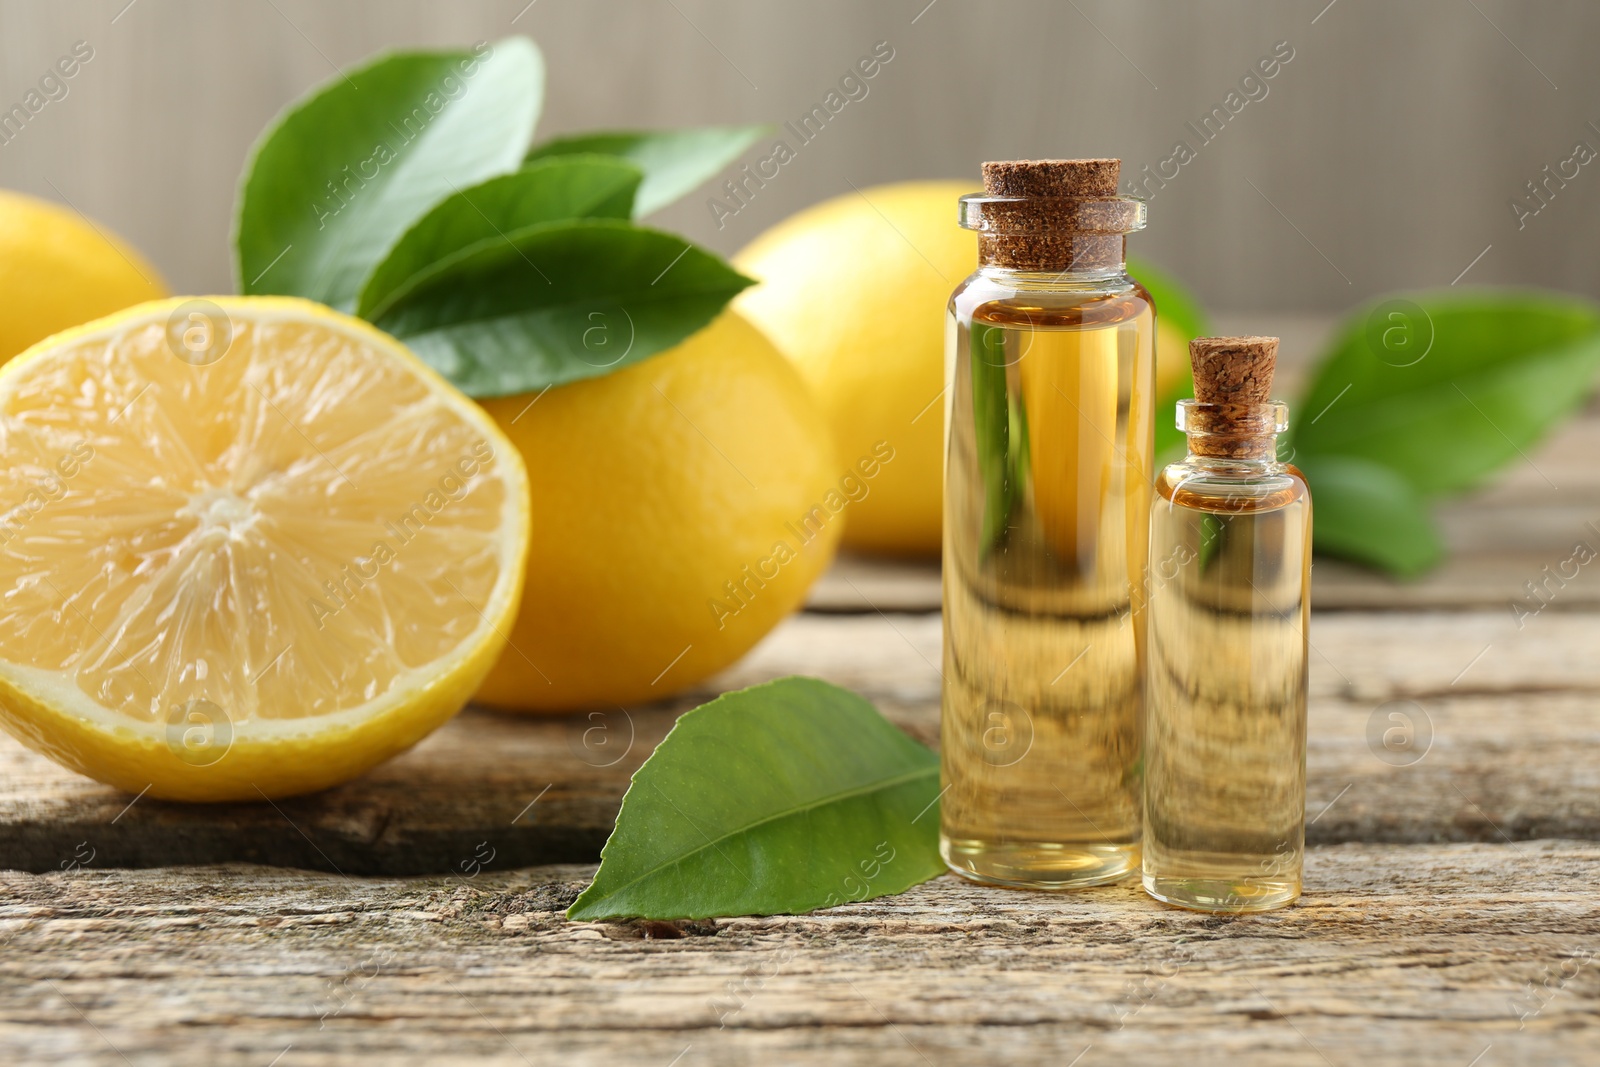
x=1230 y=550
x=1049 y=436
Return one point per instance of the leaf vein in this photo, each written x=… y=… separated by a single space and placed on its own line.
x=880 y=785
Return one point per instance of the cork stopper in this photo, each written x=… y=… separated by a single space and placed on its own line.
x=1232 y=414
x=1052 y=214
x=1233 y=370
x=1052 y=177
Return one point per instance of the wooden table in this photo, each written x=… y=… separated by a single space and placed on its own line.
x=414 y=916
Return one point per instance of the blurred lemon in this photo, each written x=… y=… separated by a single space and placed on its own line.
x=1179 y=320
x=252 y=547
x=1172 y=342
x=684 y=506
x=853 y=290
x=58 y=270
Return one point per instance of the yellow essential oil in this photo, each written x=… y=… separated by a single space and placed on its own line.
x=1048 y=448
x=1225 y=744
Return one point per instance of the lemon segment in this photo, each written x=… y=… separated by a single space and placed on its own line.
x=250 y=546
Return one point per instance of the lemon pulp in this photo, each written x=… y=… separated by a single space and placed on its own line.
x=279 y=538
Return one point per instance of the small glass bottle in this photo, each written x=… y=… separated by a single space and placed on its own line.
x=1048 y=461
x=1230 y=572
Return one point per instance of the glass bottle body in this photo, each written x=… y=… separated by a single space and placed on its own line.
x=1225 y=744
x=1048 y=456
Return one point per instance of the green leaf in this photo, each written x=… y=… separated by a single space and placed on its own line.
x=674 y=161
x=557 y=302
x=1366 y=512
x=1443 y=389
x=336 y=180
x=569 y=187
x=777 y=799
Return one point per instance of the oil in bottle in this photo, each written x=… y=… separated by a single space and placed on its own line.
x=1229 y=580
x=1049 y=439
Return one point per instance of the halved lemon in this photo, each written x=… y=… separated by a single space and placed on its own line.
x=248 y=547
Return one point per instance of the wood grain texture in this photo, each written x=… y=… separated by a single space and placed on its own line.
x=1450 y=915
x=1506 y=745
x=1397 y=954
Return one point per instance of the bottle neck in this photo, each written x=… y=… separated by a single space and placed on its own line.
x=1054 y=252
x=1233 y=434
x=1052 y=234
x=1227 y=451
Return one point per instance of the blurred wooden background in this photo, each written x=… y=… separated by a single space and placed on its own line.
x=1383 y=155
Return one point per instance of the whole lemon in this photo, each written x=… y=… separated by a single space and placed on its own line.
x=853 y=290
x=682 y=507
x=57 y=269
x=1179 y=320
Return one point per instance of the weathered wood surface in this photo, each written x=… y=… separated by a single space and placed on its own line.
x=1507 y=746
x=1451 y=915
x=1420 y=954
